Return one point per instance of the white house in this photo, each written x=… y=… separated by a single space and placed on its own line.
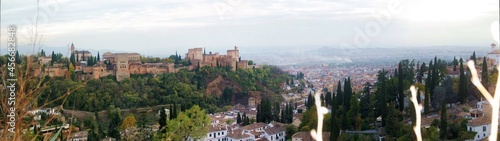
x=481 y=122
x=276 y=133
x=256 y=127
x=238 y=135
x=481 y=126
x=215 y=133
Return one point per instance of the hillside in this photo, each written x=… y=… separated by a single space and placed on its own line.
x=216 y=86
x=204 y=87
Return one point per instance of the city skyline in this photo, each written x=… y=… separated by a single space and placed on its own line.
x=253 y=25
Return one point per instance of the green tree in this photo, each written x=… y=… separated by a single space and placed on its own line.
x=381 y=96
x=98 y=56
x=193 y=123
x=238 y=119
x=264 y=113
x=128 y=122
x=443 y=126
x=484 y=73
x=353 y=113
x=310 y=101
x=163 y=120
x=290 y=130
x=400 y=87
x=473 y=57
x=462 y=92
x=72 y=71
x=276 y=112
x=455 y=63
x=347 y=93
x=246 y=121
x=115 y=116
x=52 y=60
x=340 y=95
x=328 y=99
x=334 y=131
x=94 y=132
x=227 y=96
x=72 y=59
x=394 y=125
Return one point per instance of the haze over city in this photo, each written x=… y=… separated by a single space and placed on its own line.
x=155 y=27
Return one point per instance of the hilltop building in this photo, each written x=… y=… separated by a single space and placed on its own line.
x=231 y=59
x=122 y=65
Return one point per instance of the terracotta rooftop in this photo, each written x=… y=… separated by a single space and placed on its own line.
x=216 y=128
x=274 y=130
x=427 y=121
x=495 y=52
x=480 y=121
x=237 y=134
x=254 y=126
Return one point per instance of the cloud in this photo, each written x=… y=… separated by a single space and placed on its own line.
x=221 y=22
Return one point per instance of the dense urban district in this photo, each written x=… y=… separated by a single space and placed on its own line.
x=205 y=96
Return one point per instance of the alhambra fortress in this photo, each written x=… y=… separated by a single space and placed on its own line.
x=122 y=65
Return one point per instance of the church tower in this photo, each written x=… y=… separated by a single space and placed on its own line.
x=72 y=48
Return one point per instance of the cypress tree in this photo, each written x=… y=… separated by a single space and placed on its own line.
x=290 y=113
x=98 y=56
x=347 y=93
x=276 y=112
x=443 y=126
x=340 y=96
x=245 y=119
x=462 y=85
x=400 y=87
x=473 y=57
x=72 y=59
x=174 y=114
x=328 y=99
x=259 y=113
x=310 y=101
x=283 y=117
x=334 y=127
x=455 y=63
x=427 y=94
x=238 y=119
x=163 y=120
x=484 y=73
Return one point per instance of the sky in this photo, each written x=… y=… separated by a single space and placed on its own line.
x=159 y=27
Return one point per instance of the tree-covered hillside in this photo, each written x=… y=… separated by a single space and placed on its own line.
x=185 y=87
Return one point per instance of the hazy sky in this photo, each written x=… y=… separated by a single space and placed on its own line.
x=163 y=26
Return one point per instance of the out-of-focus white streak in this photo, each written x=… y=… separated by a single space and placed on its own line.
x=492 y=100
x=318 y=134
x=418 y=108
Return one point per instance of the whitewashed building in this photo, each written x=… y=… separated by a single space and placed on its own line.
x=276 y=133
x=481 y=123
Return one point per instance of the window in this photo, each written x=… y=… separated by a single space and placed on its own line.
x=209 y=135
x=484 y=128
